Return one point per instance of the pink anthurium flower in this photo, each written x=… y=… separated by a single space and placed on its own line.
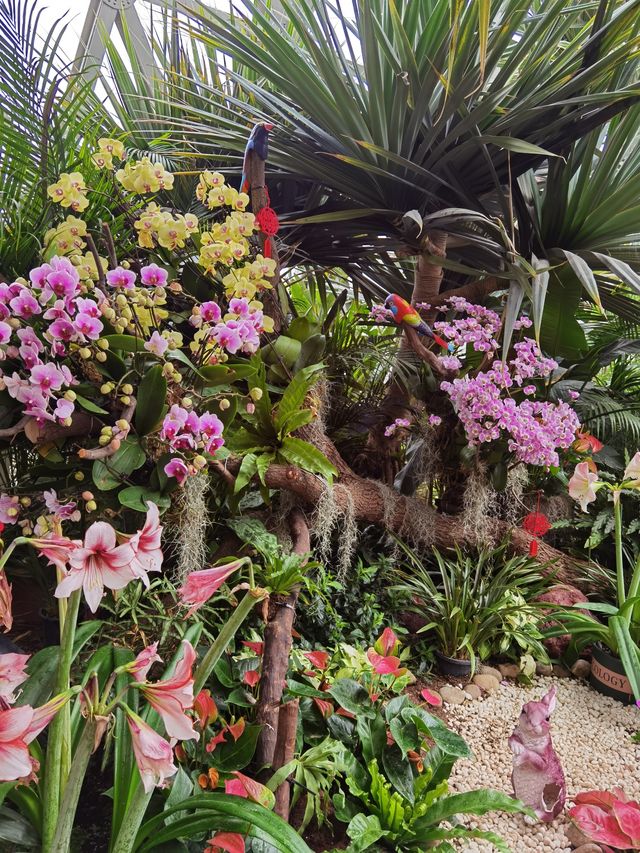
x=143 y=662
x=199 y=586
x=387 y=643
x=318 y=659
x=205 y=708
x=12 y=674
x=431 y=698
x=251 y=677
x=152 y=752
x=389 y=665
x=99 y=563
x=582 y=486
x=226 y=842
x=243 y=786
x=237 y=729
x=632 y=472
x=173 y=696
x=146 y=545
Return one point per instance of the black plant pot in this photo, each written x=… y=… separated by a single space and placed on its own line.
x=453 y=666
x=608 y=676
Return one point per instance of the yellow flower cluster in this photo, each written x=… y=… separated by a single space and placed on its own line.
x=69 y=191
x=157 y=225
x=65 y=237
x=143 y=176
x=213 y=193
x=227 y=241
x=140 y=309
x=108 y=149
x=249 y=279
x=86 y=266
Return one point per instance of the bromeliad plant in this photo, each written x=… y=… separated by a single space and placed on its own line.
x=107 y=703
x=621 y=631
x=476 y=605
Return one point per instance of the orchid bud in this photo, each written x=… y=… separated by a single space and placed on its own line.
x=126 y=388
x=91 y=506
x=104 y=440
x=123 y=425
x=224 y=404
x=107 y=388
x=84 y=352
x=79 y=476
x=256 y=394
x=250 y=408
x=125 y=265
x=125 y=400
x=25 y=501
x=70 y=395
x=87 y=496
x=114 y=444
x=103 y=343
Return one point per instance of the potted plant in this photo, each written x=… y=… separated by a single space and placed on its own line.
x=475 y=605
x=614 y=630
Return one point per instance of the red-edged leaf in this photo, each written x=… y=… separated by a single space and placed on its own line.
x=431 y=698
x=229 y=842
x=251 y=677
x=258 y=648
x=318 y=659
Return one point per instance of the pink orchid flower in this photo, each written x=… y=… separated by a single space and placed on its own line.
x=226 y=842
x=12 y=674
x=582 y=485
x=173 y=696
x=146 y=546
x=152 y=752
x=99 y=563
x=18 y=727
x=199 y=586
x=6 y=600
x=143 y=662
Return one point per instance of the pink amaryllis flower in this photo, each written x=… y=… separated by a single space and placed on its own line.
x=143 y=662
x=225 y=842
x=100 y=562
x=57 y=549
x=172 y=696
x=146 y=545
x=6 y=600
x=18 y=727
x=199 y=586
x=582 y=485
x=152 y=752
x=12 y=674
x=632 y=472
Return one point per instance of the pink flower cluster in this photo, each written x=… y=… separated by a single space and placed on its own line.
x=534 y=430
x=238 y=331
x=479 y=328
x=186 y=431
x=67 y=316
x=399 y=423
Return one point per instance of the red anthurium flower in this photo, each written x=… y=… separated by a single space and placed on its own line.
x=251 y=677
x=243 y=786
x=387 y=643
x=205 y=708
x=325 y=708
x=318 y=659
x=389 y=665
x=237 y=728
x=226 y=842
x=215 y=740
x=431 y=698
x=258 y=648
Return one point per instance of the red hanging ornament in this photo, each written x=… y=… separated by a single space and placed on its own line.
x=269 y=224
x=537 y=524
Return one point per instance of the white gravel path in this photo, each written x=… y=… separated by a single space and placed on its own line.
x=591 y=734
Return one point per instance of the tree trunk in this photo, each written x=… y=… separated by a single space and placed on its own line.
x=284 y=751
x=277 y=647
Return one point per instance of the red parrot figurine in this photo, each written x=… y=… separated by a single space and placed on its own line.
x=259 y=142
x=404 y=313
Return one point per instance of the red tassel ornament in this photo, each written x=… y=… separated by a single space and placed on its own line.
x=269 y=224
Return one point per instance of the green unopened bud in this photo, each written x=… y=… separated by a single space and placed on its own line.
x=84 y=352
x=106 y=430
x=125 y=265
x=101 y=356
x=79 y=476
x=91 y=506
x=224 y=404
x=186 y=402
x=121 y=300
x=256 y=394
x=25 y=501
x=167 y=371
x=199 y=462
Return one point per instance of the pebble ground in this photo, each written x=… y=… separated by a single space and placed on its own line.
x=591 y=734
